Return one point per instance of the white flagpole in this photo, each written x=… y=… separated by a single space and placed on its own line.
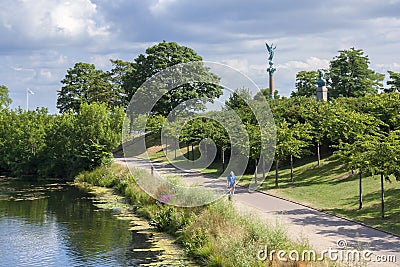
x=28 y=91
x=27 y=99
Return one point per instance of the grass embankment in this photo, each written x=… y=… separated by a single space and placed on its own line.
x=329 y=187
x=213 y=235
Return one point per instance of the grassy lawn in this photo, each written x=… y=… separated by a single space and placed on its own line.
x=332 y=189
x=329 y=187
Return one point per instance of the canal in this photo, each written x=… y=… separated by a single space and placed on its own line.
x=46 y=223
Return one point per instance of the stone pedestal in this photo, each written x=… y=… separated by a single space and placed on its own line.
x=322 y=93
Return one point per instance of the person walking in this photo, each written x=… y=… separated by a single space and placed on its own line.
x=231 y=183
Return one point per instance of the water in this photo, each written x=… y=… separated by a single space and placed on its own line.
x=51 y=224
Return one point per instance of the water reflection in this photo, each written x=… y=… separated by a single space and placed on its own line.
x=50 y=224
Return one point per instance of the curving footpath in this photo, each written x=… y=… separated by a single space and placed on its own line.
x=325 y=233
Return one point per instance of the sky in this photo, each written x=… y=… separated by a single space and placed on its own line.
x=41 y=39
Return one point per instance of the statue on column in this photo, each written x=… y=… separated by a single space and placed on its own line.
x=271 y=49
x=321 y=78
x=322 y=91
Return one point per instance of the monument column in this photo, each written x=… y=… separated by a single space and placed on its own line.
x=271 y=70
x=271 y=85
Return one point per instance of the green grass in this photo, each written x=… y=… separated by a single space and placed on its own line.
x=333 y=189
x=329 y=187
x=213 y=235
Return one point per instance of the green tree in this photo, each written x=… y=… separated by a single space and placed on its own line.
x=350 y=75
x=344 y=125
x=265 y=93
x=164 y=55
x=382 y=154
x=393 y=82
x=118 y=74
x=291 y=141
x=85 y=84
x=305 y=83
x=355 y=157
x=98 y=131
x=239 y=98
x=24 y=140
x=5 y=100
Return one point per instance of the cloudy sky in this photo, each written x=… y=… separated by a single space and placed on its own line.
x=41 y=39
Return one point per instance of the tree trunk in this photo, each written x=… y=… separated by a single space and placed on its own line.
x=255 y=172
x=318 y=154
x=192 y=153
x=291 y=168
x=276 y=172
x=166 y=146
x=263 y=167
x=223 y=159
x=176 y=148
x=188 y=154
x=360 y=187
x=382 y=197
x=205 y=152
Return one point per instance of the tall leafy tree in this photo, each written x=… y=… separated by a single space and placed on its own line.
x=118 y=74
x=164 y=55
x=393 y=82
x=5 y=100
x=350 y=75
x=355 y=157
x=85 y=84
x=305 y=83
x=382 y=154
x=291 y=141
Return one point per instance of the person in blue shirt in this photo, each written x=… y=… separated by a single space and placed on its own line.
x=231 y=183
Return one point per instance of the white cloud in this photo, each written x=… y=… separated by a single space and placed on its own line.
x=102 y=61
x=241 y=65
x=385 y=67
x=46 y=74
x=23 y=74
x=311 y=63
x=49 y=20
x=160 y=7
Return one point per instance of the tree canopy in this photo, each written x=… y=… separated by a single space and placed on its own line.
x=83 y=83
x=305 y=83
x=393 y=82
x=160 y=57
x=350 y=75
x=5 y=100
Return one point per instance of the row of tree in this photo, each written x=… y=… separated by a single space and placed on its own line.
x=85 y=133
x=39 y=143
x=83 y=83
x=348 y=75
x=363 y=132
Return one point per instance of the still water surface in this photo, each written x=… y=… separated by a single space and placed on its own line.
x=51 y=224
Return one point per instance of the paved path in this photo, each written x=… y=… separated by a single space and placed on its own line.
x=323 y=231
